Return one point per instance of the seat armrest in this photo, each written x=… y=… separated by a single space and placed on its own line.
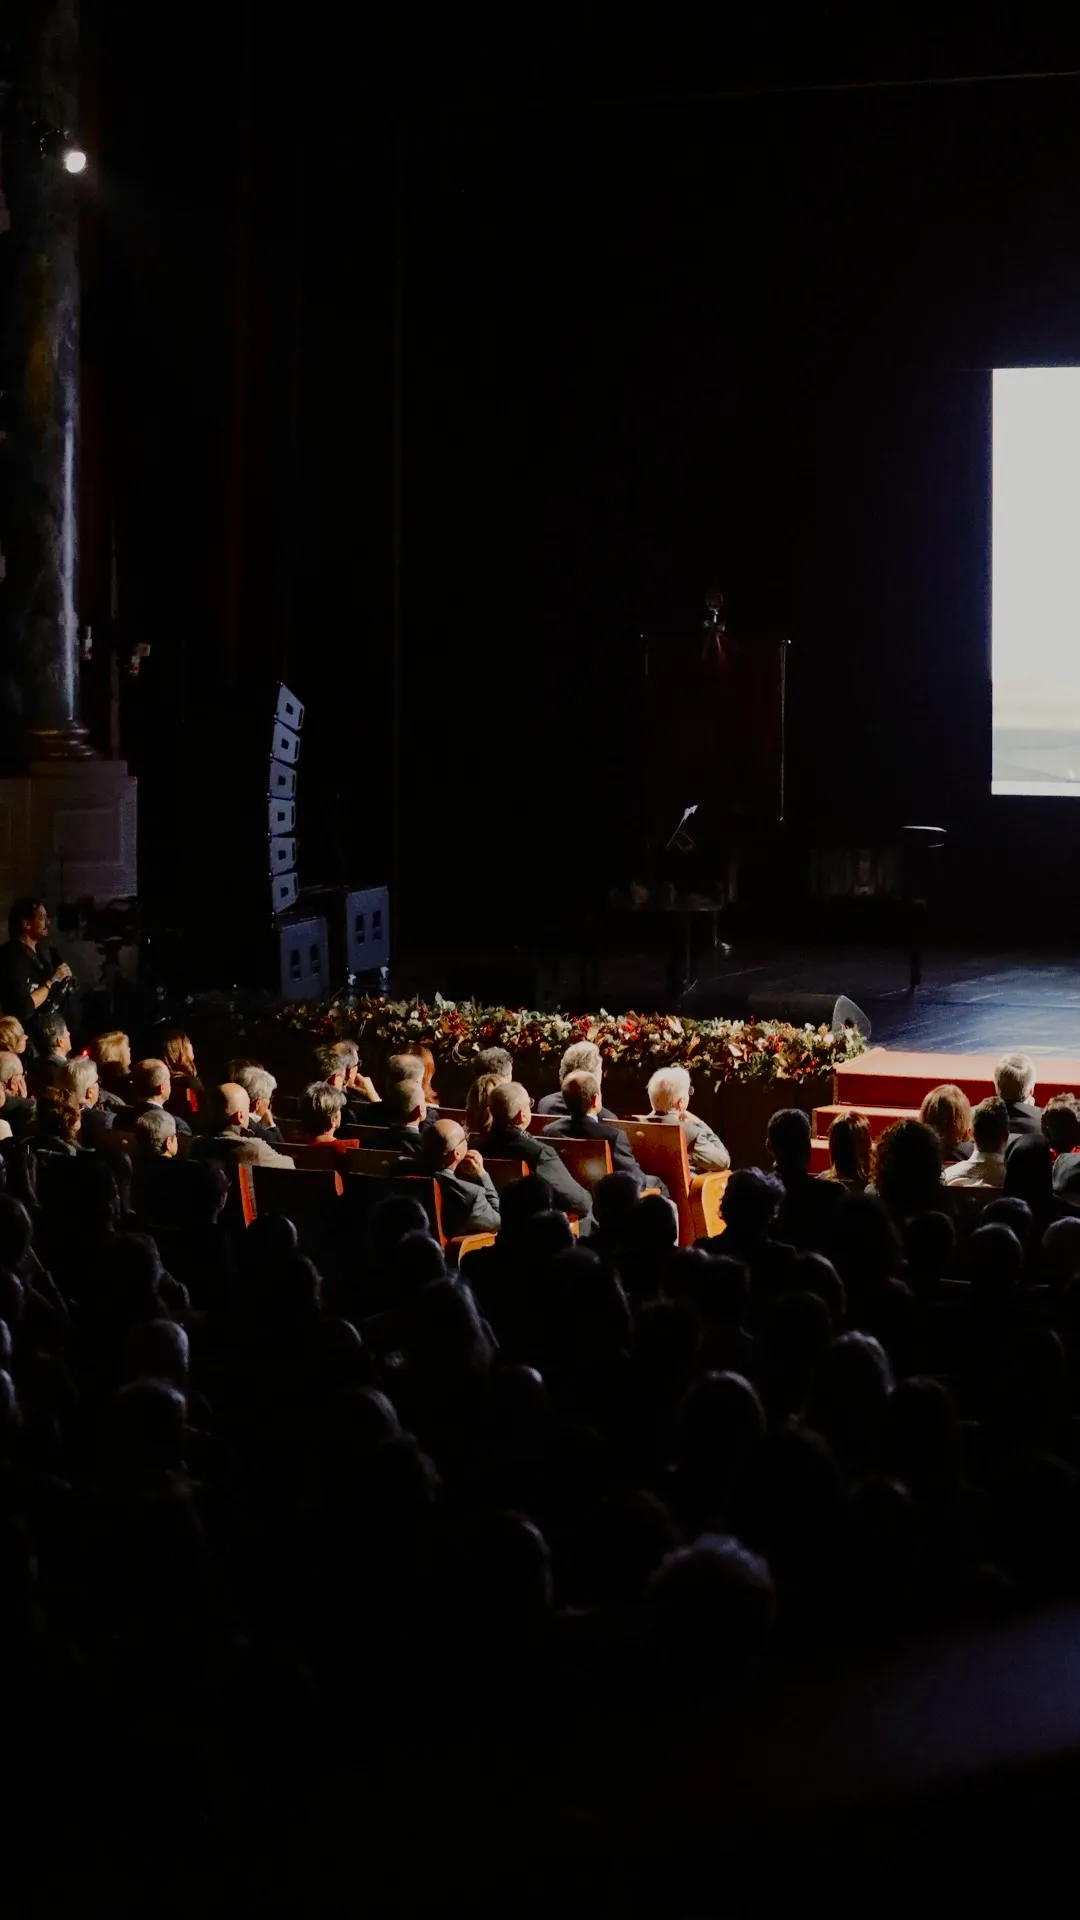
x=706 y=1194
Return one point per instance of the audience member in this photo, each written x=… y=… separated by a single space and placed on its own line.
x=1014 y=1078
x=13 y=1037
x=986 y=1167
x=808 y=1206
x=54 y=1043
x=1061 y=1130
x=850 y=1148
x=19 y=1107
x=508 y=1138
x=185 y=1086
x=260 y=1088
x=669 y=1097
x=418 y=1051
x=470 y=1203
x=478 y=1107
x=947 y=1111
x=59 y=1122
x=493 y=1060
x=156 y=1135
x=150 y=1087
x=230 y=1140
x=80 y=1077
x=907 y=1168
x=583 y=1121
x=583 y=1057
x=320 y=1113
x=111 y=1053
x=404 y=1083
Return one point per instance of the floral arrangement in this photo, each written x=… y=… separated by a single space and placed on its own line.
x=723 y=1050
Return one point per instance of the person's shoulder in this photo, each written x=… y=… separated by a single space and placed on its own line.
x=551 y=1103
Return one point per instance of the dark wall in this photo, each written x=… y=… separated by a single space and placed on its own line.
x=642 y=347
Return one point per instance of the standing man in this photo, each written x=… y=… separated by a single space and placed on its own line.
x=32 y=973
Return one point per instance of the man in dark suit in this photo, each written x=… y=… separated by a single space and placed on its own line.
x=809 y=1206
x=584 y=1121
x=510 y=1139
x=404 y=1078
x=1014 y=1077
x=151 y=1086
x=469 y=1201
x=582 y=1057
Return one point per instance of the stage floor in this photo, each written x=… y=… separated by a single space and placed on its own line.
x=970 y=1001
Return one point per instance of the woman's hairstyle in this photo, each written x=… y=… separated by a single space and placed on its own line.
x=948 y=1110
x=108 y=1049
x=427 y=1061
x=58 y=1114
x=478 y=1102
x=11 y=1032
x=850 y=1144
x=907 y=1167
x=318 y=1105
x=177 y=1051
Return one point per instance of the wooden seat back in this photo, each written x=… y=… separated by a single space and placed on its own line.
x=661 y=1151
x=588 y=1160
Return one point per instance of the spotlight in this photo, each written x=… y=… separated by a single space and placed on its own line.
x=75 y=160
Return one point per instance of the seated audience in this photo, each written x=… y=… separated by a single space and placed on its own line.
x=19 y=1107
x=1061 y=1130
x=156 y=1136
x=947 y=1110
x=339 y=1066
x=809 y=1205
x=405 y=1111
x=1014 y=1078
x=427 y=1061
x=230 y=1139
x=111 y=1053
x=13 y=1037
x=509 y=1139
x=80 y=1077
x=494 y=1060
x=260 y=1088
x=469 y=1200
x=478 y=1107
x=59 y=1122
x=907 y=1168
x=320 y=1113
x=850 y=1148
x=986 y=1168
x=583 y=1121
x=582 y=1057
x=186 y=1088
x=150 y=1087
x=403 y=1080
x=669 y=1095
x=54 y=1043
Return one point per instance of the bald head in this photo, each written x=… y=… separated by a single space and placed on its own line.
x=510 y=1105
x=233 y=1105
x=10 y=1068
x=445 y=1143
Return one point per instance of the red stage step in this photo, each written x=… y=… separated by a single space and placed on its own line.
x=882 y=1078
x=879 y=1117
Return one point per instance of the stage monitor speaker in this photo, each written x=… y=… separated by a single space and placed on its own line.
x=833 y=1010
x=305 y=959
x=367 y=929
x=282 y=781
x=290 y=710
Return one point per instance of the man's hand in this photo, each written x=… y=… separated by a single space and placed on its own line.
x=63 y=972
x=359 y=1083
x=470 y=1166
x=17 y=1086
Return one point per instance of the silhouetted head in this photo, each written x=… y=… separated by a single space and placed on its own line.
x=907 y=1168
x=751 y=1202
x=710 y=1612
x=1061 y=1251
x=789 y=1135
x=1008 y=1210
x=158 y=1350
x=1029 y=1171
x=614 y=1200
x=994 y=1264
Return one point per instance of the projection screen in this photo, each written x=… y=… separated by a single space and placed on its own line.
x=1035 y=581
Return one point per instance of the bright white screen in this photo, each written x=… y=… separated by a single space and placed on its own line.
x=1035 y=620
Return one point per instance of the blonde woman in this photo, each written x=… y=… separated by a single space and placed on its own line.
x=478 y=1107
x=111 y=1054
x=947 y=1110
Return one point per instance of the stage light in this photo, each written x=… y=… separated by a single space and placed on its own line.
x=75 y=160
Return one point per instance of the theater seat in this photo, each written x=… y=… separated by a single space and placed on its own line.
x=662 y=1151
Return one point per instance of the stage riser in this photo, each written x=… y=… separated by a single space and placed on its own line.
x=881 y=1078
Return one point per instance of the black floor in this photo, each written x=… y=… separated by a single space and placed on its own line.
x=969 y=1001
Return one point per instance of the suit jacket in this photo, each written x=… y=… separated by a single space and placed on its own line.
x=236 y=1145
x=468 y=1206
x=705 y=1150
x=1023 y=1118
x=590 y=1127
x=556 y=1103
x=510 y=1143
x=127 y=1117
x=262 y=1129
x=376 y=1113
